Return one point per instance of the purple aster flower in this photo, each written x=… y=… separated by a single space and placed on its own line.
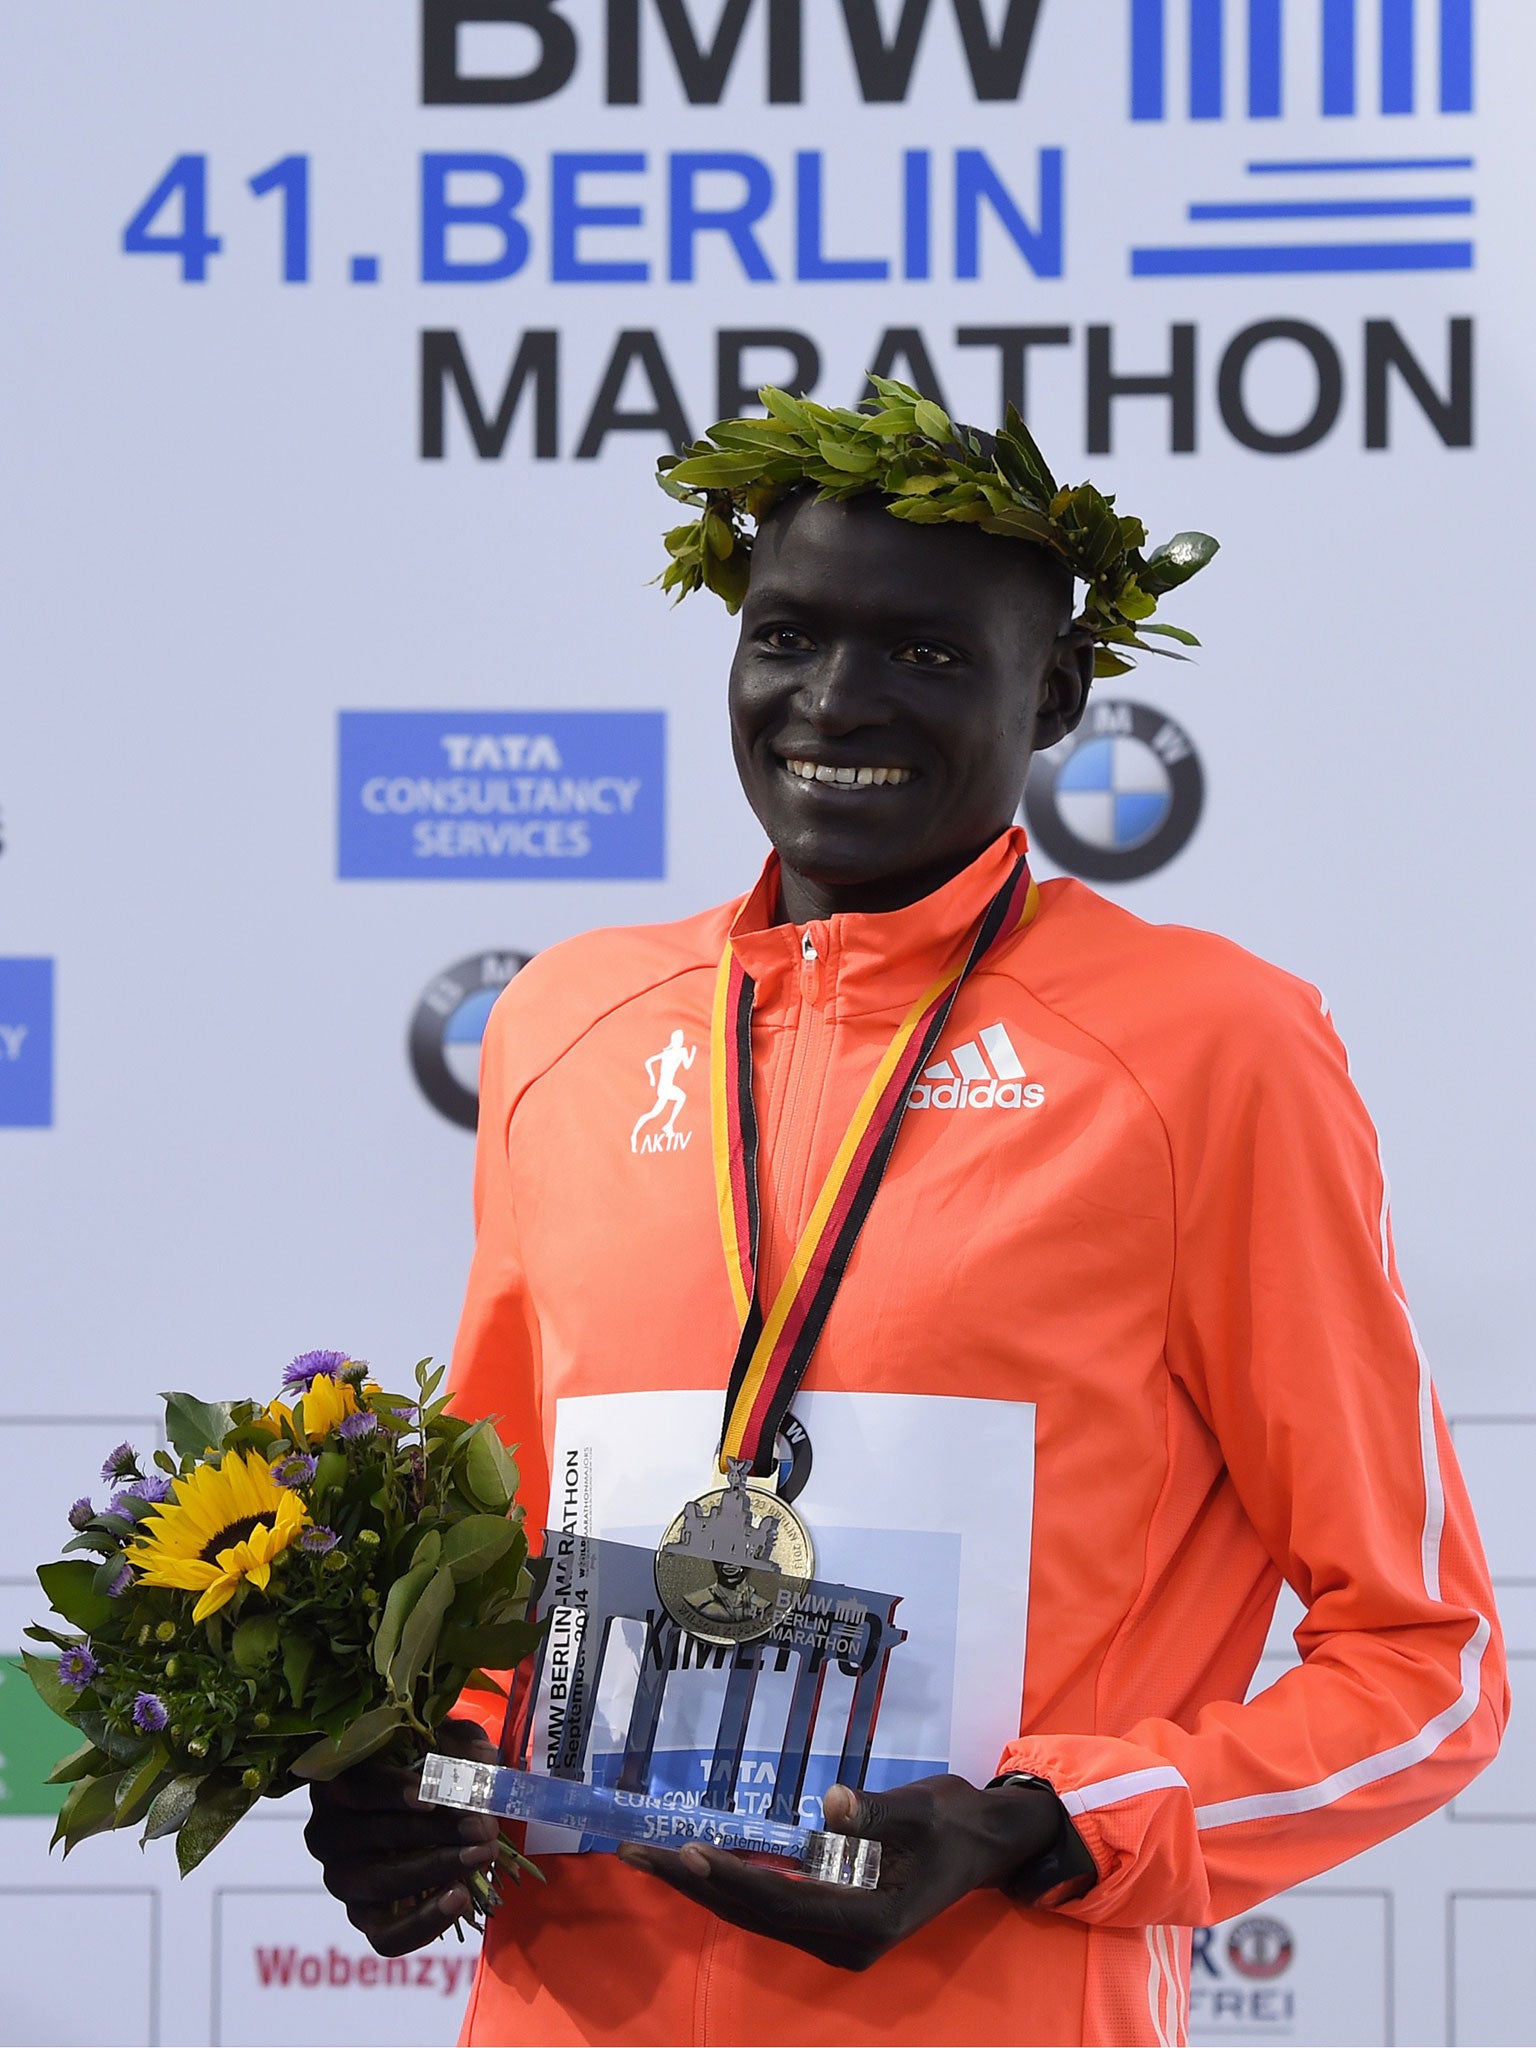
x=121 y=1582
x=295 y=1470
x=154 y=1489
x=149 y=1713
x=362 y=1424
x=82 y=1514
x=312 y=1364
x=317 y=1540
x=123 y=1463
x=77 y=1668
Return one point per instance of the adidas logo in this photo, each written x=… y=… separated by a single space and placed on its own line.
x=984 y=1073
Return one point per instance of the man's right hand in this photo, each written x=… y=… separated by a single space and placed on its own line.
x=399 y=1866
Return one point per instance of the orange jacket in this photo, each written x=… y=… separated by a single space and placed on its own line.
x=1176 y=1247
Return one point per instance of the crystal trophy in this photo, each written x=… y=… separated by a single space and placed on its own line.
x=636 y=1817
x=586 y=1750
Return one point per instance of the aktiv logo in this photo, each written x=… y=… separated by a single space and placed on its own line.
x=984 y=1073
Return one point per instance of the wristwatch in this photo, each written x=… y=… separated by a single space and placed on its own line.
x=1065 y=1861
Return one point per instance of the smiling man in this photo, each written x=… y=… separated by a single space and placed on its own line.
x=1066 y=1237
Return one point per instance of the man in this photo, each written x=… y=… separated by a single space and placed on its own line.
x=1141 y=1323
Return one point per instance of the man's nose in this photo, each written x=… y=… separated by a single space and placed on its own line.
x=843 y=691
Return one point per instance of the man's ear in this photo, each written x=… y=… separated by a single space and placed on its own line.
x=1064 y=687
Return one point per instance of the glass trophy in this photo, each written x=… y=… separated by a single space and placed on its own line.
x=589 y=1747
x=635 y=1817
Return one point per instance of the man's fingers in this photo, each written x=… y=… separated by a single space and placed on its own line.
x=373 y=1788
x=332 y=1834
x=785 y=1907
x=382 y=1881
x=396 y=1934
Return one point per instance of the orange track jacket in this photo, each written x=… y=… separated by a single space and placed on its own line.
x=1172 y=1237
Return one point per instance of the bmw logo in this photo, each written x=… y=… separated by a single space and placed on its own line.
x=1119 y=797
x=448 y=1026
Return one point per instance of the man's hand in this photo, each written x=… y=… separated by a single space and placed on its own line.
x=939 y=1839
x=398 y=1865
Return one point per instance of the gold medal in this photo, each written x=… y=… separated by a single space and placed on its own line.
x=735 y=1563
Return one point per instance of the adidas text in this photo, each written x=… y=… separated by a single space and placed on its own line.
x=984 y=1073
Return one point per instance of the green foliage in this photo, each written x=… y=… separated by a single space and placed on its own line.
x=930 y=472
x=357 y=1647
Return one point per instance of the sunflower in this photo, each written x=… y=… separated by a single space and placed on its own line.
x=228 y=1524
x=326 y=1403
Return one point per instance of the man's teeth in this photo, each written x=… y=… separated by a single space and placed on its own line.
x=862 y=778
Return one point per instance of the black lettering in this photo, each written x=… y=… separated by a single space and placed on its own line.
x=1200 y=1951
x=1177 y=386
x=905 y=345
x=665 y=416
x=885 y=69
x=786 y=35
x=703 y=68
x=733 y=392
x=997 y=68
x=1013 y=345
x=441 y=84
x=443 y=360
x=1330 y=387
x=1385 y=351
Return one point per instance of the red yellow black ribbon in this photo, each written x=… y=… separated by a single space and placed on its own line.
x=775 y=1347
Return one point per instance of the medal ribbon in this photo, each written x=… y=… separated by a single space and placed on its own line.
x=775 y=1348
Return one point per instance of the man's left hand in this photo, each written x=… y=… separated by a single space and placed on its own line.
x=939 y=1839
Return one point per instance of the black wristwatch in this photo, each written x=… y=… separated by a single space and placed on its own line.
x=1065 y=1861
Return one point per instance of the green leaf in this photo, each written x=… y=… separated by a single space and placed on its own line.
x=298 y=1655
x=932 y=420
x=83 y=1762
x=327 y=1759
x=1177 y=560
x=138 y=1787
x=475 y=1544
x=254 y=1642
x=428 y=1551
x=484 y=1471
x=220 y=1802
x=496 y=1647
x=105 y=1576
x=58 y=1697
x=90 y=1809
x=69 y=1587
x=847 y=455
x=398 y=1603
x=170 y=1808
x=1106 y=664
x=1179 y=633
x=194 y=1426
x=423 y=1625
x=330 y=1471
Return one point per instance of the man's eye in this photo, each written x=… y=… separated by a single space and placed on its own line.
x=925 y=654
x=787 y=640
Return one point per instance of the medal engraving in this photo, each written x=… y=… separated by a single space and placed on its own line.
x=735 y=1563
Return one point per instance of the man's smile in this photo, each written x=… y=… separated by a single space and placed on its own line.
x=854 y=777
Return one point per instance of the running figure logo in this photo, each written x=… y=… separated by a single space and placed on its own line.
x=661 y=1070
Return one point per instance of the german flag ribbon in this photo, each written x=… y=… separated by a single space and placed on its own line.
x=775 y=1348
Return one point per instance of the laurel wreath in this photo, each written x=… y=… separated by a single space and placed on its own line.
x=930 y=472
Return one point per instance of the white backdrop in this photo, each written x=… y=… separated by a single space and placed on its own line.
x=222 y=531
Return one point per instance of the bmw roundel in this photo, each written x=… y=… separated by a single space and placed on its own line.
x=1119 y=797
x=447 y=1027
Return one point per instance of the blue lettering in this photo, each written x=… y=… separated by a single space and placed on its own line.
x=569 y=216
x=689 y=218
x=975 y=181
x=440 y=214
x=811 y=265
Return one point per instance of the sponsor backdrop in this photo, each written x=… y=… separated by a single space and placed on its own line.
x=341 y=337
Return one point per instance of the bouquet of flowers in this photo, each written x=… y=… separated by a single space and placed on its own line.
x=292 y=1588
